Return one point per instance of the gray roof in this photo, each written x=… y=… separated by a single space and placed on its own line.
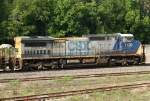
x=36 y=38
x=100 y=35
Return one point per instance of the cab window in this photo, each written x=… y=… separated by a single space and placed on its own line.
x=127 y=39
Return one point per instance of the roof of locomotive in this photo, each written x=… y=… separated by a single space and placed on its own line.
x=95 y=35
x=71 y=38
x=102 y=35
x=34 y=38
x=126 y=35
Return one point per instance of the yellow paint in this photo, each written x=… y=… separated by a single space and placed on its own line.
x=139 y=50
x=18 y=45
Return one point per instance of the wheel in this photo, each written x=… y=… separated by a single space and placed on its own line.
x=130 y=63
x=62 y=66
x=24 y=68
x=135 y=62
x=40 y=66
x=124 y=63
x=54 y=66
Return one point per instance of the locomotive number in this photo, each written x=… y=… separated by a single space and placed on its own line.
x=129 y=44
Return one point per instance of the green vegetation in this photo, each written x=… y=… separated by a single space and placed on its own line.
x=115 y=95
x=64 y=79
x=108 y=76
x=61 y=80
x=14 y=83
x=16 y=88
x=74 y=17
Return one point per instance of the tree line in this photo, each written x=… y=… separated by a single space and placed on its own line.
x=63 y=18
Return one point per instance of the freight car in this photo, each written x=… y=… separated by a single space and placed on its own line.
x=38 y=52
x=7 y=56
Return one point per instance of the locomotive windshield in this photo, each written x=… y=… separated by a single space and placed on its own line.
x=127 y=39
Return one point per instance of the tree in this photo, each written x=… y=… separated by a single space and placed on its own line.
x=5 y=9
x=61 y=18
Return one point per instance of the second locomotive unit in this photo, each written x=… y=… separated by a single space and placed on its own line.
x=38 y=52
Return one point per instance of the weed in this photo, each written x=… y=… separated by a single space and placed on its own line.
x=14 y=92
x=148 y=76
x=29 y=90
x=136 y=76
x=33 y=85
x=108 y=76
x=78 y=98
x=85 y=80
x=64 y=79
x=97 y=94
x=14 y=83
x=50 y=82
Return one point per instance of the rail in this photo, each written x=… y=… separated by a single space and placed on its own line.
x=74 y=76
x=72 y=93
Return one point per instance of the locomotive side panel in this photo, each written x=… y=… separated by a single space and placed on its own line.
x=32 y=50
x=77 y=46
x=59 y=47
x=103 y=44
x=34 y=47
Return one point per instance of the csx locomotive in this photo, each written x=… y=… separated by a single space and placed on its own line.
x=38 y=52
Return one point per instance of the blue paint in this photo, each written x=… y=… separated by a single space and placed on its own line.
x=126 y=47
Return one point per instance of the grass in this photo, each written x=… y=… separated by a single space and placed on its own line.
x=64 y=79
x=61 y=80
x=108 y=76
x=115 y=95
x=14 y=83
x=16 y=88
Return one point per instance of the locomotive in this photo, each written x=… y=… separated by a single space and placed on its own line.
x=39 y=52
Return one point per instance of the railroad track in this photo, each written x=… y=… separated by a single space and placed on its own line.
x=73 y=68
x=72 y=93
x=75 y=76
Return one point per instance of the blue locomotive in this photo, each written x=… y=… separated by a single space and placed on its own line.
x=38 y=52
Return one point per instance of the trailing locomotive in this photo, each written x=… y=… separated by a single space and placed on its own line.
x=38 y=52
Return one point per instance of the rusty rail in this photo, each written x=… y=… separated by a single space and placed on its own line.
x=72 y=93
x=75 y=76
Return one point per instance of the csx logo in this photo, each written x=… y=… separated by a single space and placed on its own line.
x=81 y=45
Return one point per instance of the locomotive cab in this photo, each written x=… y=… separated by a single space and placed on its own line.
x=128 y=45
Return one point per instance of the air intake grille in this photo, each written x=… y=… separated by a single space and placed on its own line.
x=97 y=38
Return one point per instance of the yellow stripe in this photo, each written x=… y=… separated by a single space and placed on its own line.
x=139 y=50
